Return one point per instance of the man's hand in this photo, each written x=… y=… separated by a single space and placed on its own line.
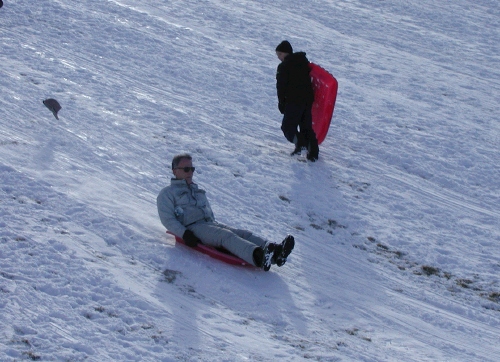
x=190 y=239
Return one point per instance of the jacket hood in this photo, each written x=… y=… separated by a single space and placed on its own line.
x=297 y=58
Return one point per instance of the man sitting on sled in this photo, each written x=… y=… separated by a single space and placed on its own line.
x=185 y=211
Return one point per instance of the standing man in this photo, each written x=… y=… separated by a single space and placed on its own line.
x=185 y=211
x=295 y=99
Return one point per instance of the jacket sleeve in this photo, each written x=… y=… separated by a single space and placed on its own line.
x=281 y=83
x=166 y=206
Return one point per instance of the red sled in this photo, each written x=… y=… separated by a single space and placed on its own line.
x=220 y=254
x=325 y=88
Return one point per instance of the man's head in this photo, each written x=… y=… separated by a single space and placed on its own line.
x=182 y=167
x=283 y=49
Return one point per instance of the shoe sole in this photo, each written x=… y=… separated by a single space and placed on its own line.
x=287 y=247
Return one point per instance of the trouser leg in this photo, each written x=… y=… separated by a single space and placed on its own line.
x=308 y=133
x=249 y=236
x=299 y=117
x=290 y=123
x=221 y=236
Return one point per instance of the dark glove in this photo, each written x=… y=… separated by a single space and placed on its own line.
x=281 y=107
x=190 y=239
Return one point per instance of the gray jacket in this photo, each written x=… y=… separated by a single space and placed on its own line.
x=180 y=205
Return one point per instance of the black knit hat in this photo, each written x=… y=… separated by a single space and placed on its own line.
x=284 y=47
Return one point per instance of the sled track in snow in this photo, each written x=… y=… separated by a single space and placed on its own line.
x=444 y=197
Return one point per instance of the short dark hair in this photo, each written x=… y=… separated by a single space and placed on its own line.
x=178 y=158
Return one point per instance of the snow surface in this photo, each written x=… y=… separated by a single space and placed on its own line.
x=397 y=224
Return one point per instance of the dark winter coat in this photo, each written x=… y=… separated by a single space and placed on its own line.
x=293 y=81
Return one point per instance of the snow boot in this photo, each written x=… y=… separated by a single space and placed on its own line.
x=313 y=149
x=300 y=144
x=313 y=153
x=296 y=151
x=311 y=157
x=283 y=250
x=263 y=256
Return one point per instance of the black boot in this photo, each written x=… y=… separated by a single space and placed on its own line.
x=296 y=151
x=283 y=250
x=258 y=256
x=262 y=257
x=300 y=144
x=313 y=150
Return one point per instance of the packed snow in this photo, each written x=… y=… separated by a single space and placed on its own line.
x=397 y=224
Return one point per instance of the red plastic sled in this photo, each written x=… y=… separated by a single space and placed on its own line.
x=325 y=88
x=222 y=255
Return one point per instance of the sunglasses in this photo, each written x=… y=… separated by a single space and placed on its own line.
x=186 y=169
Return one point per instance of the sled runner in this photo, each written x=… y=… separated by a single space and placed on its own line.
x=325 y=93
x=220 y=254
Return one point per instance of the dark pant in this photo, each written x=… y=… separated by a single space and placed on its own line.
x=299 y=116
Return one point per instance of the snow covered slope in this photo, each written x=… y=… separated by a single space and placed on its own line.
x=397 y=224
